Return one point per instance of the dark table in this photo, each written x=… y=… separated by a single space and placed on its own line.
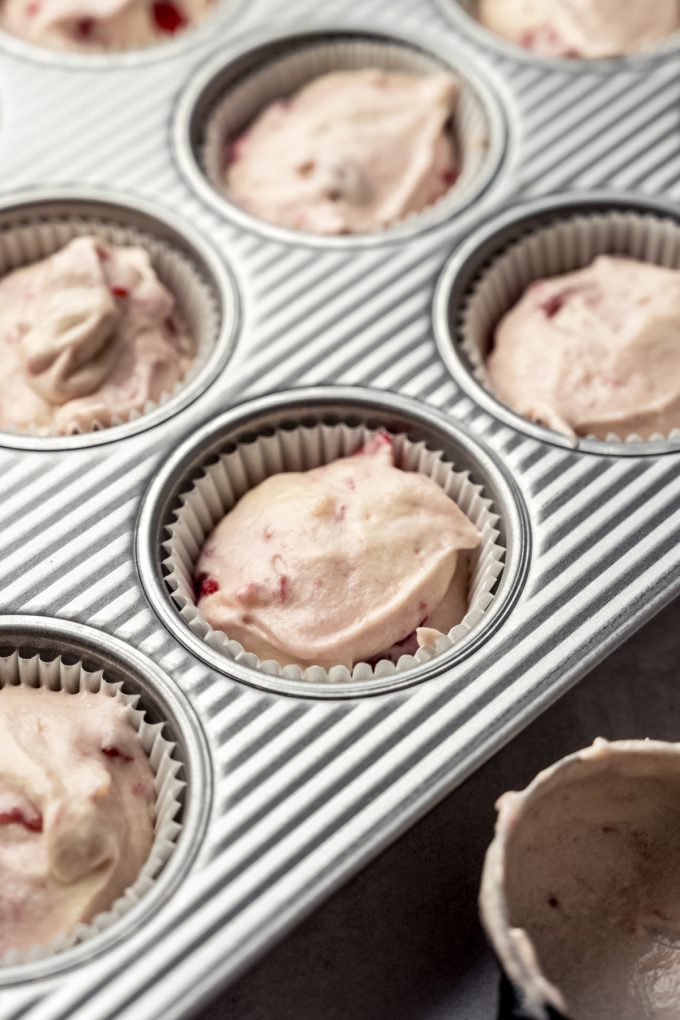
x=402 y=941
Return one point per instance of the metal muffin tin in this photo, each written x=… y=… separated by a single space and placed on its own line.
x=312 y=406
x=306 y=56
x=297 y=792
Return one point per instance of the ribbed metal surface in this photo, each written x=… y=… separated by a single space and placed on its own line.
x=306 y=791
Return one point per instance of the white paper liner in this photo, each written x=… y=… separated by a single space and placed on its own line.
x=57 y=675
x=471 y=8
x=195 y=298
x=281 y=76
x=224 y=481
x=567 y=244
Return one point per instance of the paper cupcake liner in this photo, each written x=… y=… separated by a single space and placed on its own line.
x=58 y=675
x=562 y=246
x=281 y=76
x=195 y=299
x=536 y=996
x=223 y=482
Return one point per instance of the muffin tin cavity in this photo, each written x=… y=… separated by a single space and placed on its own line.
x=490 y=272
x=171 y=41
x=463 y=15
x=225 y=98
x=40 y=652
x=211 y=471
x=35 y=226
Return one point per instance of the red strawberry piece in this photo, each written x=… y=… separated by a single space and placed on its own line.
x=84 y=27
x=283 y=588
x=552 y=305
x=168 y=17
x=33 y=8
x=15 y=816
x=449 y=177
x=170 y=326
x=115 y=752
x=120 y=292
x=208 y=586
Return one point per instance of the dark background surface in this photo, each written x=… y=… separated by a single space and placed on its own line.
x=402 y=941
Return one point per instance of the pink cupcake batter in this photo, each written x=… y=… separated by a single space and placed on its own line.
x=92 y=25
x=594 y=352
x=87 y=336
x=76 y=811
x=337 y=565
x=352 y=151
x=581 y=28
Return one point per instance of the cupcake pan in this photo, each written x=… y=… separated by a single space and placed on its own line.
x=295 y=787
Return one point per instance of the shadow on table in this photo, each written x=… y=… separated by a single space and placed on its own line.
x=402 y=940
